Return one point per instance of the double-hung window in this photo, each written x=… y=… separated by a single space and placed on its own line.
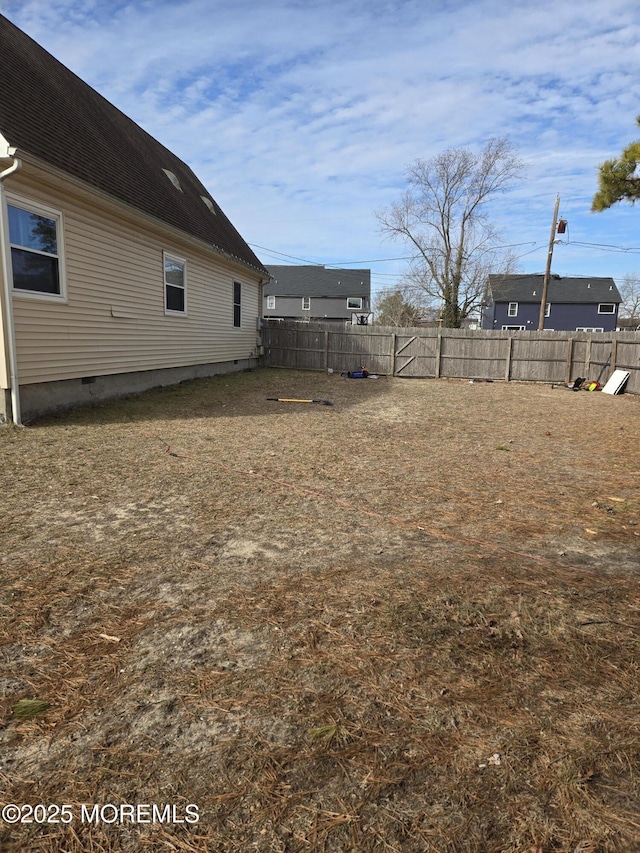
x=271 y=303
x=35 y=237
x=512 y=311
x=237 y=304
x=175 y=285
x=306 y=303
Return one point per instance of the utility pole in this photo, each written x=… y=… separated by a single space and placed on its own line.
x=547 y=272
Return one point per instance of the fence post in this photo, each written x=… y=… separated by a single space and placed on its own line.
x=567 y=373
x=507 y=369
x=438 y=352
x=587 y=358
x=394 y=339
x=326 y=350
x=614 y=351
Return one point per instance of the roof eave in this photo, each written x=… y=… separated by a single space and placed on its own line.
x=68 y=178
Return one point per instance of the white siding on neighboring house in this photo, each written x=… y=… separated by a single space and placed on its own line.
x=113 y=319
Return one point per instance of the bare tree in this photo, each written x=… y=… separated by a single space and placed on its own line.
x=630 y=293
x=396 y=306
x=442 y=218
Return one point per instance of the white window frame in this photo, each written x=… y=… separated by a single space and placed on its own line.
x=237 y=288
x=602 y=305
x=589 y=329
x=49 y=213
x=513 y=328
x=306 y=303
x=512 y=309
x=354 y=303
x=169 y=256
x=547 y=309
x=271 y=303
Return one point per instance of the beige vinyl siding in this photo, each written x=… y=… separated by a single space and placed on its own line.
x=113 y=320
x=4 y=355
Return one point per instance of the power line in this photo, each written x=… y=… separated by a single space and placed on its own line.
x=606 y=246
x=369 y=260
x=282 y=255
x=331 y=264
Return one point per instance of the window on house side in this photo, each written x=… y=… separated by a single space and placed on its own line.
x=547 y=309
x=35 y=240
x=175 y=285
x=606 y=308
x=306 y=303
x=354 y=302
x=513 y=309
x=271 y=303
x=237 y=302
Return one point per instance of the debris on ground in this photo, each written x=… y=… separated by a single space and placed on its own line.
x=297 y=400
x=616 y=382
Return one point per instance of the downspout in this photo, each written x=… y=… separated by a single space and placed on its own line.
x=7 y=276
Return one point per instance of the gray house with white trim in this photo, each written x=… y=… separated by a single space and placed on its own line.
x=584 y=304
x=315 y=292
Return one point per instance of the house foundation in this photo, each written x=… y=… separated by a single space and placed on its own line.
x=44 y=398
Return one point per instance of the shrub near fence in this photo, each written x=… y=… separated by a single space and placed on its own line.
x=454 y=353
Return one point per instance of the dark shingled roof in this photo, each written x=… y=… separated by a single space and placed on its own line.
x=48 y=111
x=318 y=281
x=528 y=288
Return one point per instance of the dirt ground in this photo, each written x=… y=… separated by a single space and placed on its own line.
x=407 y=621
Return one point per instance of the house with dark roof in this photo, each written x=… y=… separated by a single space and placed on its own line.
x=585 y=304
x=315 y=292
x=119 y=270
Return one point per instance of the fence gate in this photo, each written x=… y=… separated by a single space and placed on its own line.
x=415 y=355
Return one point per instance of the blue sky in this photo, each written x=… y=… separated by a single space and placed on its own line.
x=300 y=116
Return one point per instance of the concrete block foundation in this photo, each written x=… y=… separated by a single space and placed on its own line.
x=45 y=398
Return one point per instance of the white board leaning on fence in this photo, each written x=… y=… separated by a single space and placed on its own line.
x=616 y=382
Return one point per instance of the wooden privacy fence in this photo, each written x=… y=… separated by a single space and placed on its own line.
x=454 y=353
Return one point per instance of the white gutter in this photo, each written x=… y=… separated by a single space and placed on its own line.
x=7 y=276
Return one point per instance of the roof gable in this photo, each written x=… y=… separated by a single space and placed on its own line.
x=318 y=281
x=570 y=290
x=49 y=112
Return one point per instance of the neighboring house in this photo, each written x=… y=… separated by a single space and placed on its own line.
x=317 y=293
x=119 y=270
x=628 y=324
x=573 y=304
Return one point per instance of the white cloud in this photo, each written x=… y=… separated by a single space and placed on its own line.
x=301 y=117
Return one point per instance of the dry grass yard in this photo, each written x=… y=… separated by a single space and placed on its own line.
x=409 y=621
